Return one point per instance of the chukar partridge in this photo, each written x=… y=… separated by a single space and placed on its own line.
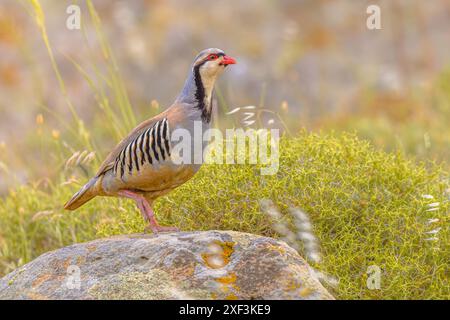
x=140 y=167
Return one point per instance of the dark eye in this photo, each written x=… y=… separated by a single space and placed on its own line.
x=213 y=56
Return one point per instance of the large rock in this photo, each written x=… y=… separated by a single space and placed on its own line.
x=185 y=265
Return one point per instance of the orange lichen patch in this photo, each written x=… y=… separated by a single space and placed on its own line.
x=36 y=296
x=231 y=297
x=181 y=273
x=228 y=248
x=91 y=247
x=229 y=279
x=67 y=263
x=292 y=285
x=224 y=289
x=296 y=286
x=305 y=292
x=227 y=282
x=60 y=266
x=81 y=260
x=279 y=249
x=41 y=279
x=216 y=259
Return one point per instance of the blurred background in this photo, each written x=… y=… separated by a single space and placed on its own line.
x=313 y=63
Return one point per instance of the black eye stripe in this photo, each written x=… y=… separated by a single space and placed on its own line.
x=206 y=59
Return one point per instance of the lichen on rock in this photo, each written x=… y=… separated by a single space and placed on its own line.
x=185 y=265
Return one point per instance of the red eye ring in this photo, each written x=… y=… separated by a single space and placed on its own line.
x=213 y=56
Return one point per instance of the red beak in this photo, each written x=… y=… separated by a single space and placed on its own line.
x=226 y=60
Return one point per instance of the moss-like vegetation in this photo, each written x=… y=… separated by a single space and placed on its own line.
x=367 y=208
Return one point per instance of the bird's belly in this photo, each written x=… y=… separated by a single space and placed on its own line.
x=154 y=180
x=165 y=178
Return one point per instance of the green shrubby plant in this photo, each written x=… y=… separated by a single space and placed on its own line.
x=367 y=207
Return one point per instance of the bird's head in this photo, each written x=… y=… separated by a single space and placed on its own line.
x=211 y=62
x=199 y=85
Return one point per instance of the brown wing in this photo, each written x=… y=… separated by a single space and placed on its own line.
x=145 y=164
x=174 y=114
x=108 y=163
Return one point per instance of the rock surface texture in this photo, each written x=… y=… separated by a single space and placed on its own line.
x=184 y=265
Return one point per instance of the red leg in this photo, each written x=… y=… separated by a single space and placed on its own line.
x=146 y=211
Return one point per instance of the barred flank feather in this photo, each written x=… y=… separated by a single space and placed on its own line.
x=152 y=146
x=82 y=196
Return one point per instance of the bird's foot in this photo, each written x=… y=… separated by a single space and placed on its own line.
x=157 y=229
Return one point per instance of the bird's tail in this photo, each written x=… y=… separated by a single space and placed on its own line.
x=83 y=195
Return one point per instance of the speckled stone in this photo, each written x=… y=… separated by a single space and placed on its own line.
x=184 y=265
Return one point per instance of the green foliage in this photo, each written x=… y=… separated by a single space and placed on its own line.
x=366 y=206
